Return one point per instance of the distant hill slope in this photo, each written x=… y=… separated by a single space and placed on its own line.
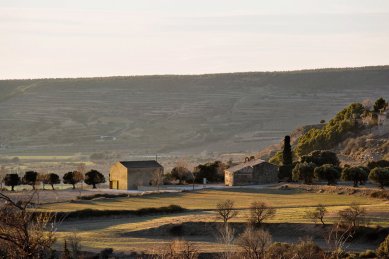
x=238 y=112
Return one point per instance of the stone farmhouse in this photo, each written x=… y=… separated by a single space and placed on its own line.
x=129 y=175
x=254 y=171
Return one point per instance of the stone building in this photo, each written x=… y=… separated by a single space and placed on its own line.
x=129 y=175
x=255 y=171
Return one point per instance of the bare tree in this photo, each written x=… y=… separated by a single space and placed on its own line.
x=353 y=216
x=178 y=249
x=74 y=242
x=226 y=210
x=259 y=211
x=157 y=178
x=226 y=236
x=254 y=243
x=24 y=232
x=317 y=214
x=337 y=239
x=3 y=172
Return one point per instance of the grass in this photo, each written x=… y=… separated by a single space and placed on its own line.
x=207 y=199
x=291 y=205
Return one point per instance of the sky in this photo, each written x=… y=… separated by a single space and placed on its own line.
x=89 y=38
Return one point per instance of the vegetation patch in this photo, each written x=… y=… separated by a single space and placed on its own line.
x=90 y=213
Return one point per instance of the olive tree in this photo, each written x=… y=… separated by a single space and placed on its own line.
x=94 y=177
x=304 y=171
x=380 y=176
x=355 y=174
x=73 y=178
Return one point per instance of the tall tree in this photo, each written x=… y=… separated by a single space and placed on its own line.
x=30 y=178
x=287 y=157
x=94 y=177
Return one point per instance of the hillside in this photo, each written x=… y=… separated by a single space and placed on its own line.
x=191 y=114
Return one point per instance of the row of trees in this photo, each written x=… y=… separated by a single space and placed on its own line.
x=32 y=178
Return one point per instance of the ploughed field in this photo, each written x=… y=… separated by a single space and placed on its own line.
x=219 y=113
x=199 y=223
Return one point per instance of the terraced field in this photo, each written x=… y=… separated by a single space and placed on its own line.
x=195 y=115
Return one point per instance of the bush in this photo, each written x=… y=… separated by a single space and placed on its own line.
x=383 y=249
x=280 y=251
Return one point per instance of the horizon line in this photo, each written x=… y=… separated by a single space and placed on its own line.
x=203 y=74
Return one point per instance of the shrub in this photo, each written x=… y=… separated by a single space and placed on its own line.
x=254 y=243
x=307 y=249
x=327 y=172
x=304 y=171
x=317 y=214
x=333 y=132
x=352 y=216
x=383 y=249
x=279 y=251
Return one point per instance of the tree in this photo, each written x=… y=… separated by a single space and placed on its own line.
x=321 y=157
x=380 y=176
x=181 y=173
x=259 y=212
x=214 y=172
x=285 y=171
x=157 y=178
x=51 y=179
x=30 y=178
x=327 y=172
x=304 y=171
x=383 y=249
x=11 y=180
x=380 y=104
x=254 y=243
x=287 y=157
x=73 y=178
x=317 y=214
x=380 y=163
x=353 y=216
x=94 y=177
x=355 y=174
x=226 y=210
x=24 y=232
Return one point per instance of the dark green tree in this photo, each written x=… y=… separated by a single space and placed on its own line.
x=355 y=174
x=214 y=172
x=51 y=179
x=380 y=176
x=380 y=104
x=285 y=170
x=327 y=172
x=73 y=178
x=321 y=157
x=287 y=157
x=30 y=178
x=11 y=180
x=94 y=177
x=304 y=171
x=380 y=163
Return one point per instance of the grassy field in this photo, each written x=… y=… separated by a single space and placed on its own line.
x=119 y=232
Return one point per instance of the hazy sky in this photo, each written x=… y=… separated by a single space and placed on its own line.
x=82 y=38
